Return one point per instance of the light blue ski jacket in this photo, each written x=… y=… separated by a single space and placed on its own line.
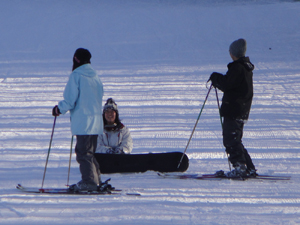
x=83 y=98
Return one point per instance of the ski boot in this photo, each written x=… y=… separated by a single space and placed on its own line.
x=251 y=173
x=83 y=187
x=239 y=171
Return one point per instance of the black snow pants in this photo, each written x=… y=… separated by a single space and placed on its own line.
x=232 y=140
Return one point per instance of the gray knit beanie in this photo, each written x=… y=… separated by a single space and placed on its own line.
x=110 y=104
x=238 y=48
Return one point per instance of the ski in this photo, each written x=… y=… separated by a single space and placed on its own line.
x=219 y=177
x=259 y=177
x=188 y=176
x=68 y=191
x=63 y=191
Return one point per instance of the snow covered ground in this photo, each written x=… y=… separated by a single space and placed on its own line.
x=154 y=58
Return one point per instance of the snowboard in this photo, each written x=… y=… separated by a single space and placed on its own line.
x=139 y=163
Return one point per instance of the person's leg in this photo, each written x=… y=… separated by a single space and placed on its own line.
x=232 y=140
x=96 y=164
x=88 y=166
x=249 y=163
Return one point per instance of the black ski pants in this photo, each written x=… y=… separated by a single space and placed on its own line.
x=232 y=140
x=88 y=165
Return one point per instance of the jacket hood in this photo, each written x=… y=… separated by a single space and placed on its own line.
x=245 y=61
x=85 y=70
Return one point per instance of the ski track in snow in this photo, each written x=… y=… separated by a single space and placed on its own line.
x=160 y=104
x=159 y=120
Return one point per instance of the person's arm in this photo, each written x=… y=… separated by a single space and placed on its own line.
x=230 y=80
x=102 y=147
x=71 y=94
x=126 y=143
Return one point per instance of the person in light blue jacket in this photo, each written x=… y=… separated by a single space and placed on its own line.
x=83 y=98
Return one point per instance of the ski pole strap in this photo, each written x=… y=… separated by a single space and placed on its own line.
x=48 y=151
x=195 y=126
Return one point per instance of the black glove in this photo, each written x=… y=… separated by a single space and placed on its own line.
x=214 y=79
x=55 y=111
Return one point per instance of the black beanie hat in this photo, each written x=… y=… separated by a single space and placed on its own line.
x=83 y=55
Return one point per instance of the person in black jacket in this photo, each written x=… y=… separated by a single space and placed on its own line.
x=237 y=86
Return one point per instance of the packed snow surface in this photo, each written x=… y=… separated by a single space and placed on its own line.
x=154 y=58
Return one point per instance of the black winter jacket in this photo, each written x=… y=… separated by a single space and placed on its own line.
x=237 y=85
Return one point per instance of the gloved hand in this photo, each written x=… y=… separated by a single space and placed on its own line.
x=109 y=150
x=114 y=151
x=55 y=111
x=213 y=78
x=119 y=150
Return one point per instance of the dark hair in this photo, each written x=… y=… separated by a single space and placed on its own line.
x=84 y=57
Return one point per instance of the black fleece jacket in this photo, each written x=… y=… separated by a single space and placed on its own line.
x=237 y=85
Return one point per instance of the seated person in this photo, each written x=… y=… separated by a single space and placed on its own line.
x=116 y=138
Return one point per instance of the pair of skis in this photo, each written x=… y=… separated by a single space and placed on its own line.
x=104 y=189
x=219 y=177
x=67 y=191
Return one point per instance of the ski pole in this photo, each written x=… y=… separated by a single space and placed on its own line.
x=194 y=127
x=219 y=107
x=48 y=152
x=222 y=123
x=70 y=161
